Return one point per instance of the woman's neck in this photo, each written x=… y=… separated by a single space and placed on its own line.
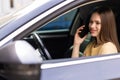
x=97 y=42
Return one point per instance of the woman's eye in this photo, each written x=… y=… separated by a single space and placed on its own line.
x=98 y=23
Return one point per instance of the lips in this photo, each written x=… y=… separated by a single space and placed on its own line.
x=92 y=31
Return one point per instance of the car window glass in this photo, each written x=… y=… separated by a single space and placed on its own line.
x=63 y=22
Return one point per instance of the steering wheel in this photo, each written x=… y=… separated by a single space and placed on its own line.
x=42 y=49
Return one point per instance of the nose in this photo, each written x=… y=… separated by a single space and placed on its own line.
x=92 y=25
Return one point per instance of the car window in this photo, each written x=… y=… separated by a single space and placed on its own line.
x=63 y=22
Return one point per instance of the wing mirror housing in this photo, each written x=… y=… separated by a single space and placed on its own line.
x=18 y=61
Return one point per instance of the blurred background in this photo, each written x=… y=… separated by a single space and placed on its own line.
x=8 y=6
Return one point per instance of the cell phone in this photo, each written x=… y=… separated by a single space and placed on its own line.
x=84 y=31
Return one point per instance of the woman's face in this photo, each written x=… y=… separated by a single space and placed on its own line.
x=95 y=25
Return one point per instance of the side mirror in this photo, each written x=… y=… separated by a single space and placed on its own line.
x=18 y=61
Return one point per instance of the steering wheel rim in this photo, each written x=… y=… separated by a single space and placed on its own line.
x=41 y=47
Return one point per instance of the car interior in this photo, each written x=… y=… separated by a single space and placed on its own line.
x=56 y=44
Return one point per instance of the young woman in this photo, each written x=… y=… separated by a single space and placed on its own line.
x=102 y=27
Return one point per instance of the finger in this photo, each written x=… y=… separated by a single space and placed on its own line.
x=81 y=28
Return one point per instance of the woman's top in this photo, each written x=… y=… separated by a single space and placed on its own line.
x=106 y=48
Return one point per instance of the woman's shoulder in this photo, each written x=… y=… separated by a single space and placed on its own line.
x=109 y=44
x=108 y=48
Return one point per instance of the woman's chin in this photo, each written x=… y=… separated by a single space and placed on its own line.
x=93 y=35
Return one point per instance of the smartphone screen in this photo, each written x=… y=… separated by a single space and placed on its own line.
x=84 y=31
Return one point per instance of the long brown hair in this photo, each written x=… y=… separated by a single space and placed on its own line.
x=108 y=31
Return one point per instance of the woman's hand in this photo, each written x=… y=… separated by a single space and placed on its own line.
x=77 y=39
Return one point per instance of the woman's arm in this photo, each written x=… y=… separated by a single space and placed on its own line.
x=75 y=52
x=77 y=42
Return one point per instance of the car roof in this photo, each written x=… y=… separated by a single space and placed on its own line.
x=15 y=20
